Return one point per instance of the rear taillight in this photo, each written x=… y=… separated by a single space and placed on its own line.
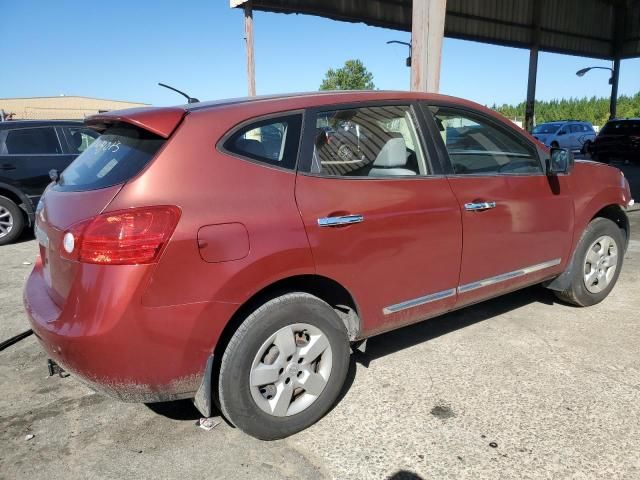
x=123 y=237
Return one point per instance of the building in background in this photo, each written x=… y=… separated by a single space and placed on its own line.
x=58 y=108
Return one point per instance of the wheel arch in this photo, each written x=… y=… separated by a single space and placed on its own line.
x=320 y=286
x=21 y=200
x=613 y=212
x=617 y=215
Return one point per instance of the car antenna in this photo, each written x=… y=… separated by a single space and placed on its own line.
x=189 y=99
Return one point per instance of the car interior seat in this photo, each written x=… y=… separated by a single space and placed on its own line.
x=391 y=160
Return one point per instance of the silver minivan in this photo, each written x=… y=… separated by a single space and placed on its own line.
x=572 y=134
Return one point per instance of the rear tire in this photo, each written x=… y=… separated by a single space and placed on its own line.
x=596 y=264
x=11 y=221
x=284 y=367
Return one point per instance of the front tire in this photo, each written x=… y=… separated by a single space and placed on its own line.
x=11 y=221
x=284 y=367
x=596 y=264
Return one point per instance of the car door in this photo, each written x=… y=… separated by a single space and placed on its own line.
x=517 y=222
x=27 y=156
x=381 y=218
x=577 y=132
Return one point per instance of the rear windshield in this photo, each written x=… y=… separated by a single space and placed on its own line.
x=119 y=154
x=547 y=128
x=622 y=127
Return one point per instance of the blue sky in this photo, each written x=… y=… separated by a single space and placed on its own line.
x=120 y=52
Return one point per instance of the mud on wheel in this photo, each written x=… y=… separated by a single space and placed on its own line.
x=284 y=367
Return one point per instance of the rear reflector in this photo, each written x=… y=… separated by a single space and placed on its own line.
x=124 y=237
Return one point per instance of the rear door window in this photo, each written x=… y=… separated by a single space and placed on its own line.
x=118 y=155
x=373 y=141
x=33 y=141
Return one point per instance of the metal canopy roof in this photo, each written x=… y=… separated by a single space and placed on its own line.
x=592 y=28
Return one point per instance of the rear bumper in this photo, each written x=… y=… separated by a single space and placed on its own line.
x=121 y=348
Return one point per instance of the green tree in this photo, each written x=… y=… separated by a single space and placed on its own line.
x=353 y=76
x=594 y=109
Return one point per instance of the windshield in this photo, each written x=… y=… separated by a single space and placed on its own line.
x=119 y=154
x=547 y=128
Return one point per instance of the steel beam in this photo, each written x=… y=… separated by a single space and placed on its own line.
x=530 y=105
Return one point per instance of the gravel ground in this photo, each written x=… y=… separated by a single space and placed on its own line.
x=517 y=387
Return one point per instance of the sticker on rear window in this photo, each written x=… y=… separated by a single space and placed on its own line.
x=107 y=168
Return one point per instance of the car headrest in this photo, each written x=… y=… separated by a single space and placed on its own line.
x=393 y=154
x=76 y=141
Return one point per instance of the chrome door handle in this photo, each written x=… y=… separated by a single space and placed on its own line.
x=338 y=221
x=479 y=206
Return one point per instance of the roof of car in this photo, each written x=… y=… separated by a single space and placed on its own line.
x=163 y=120
x=37 y=123
x=324 y=97
x=624 y=120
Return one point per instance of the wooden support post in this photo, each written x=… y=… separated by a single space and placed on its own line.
x=248 y=36
x=427 y=34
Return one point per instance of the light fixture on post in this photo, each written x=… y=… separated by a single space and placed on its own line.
x=613 y=81
x=408 y=61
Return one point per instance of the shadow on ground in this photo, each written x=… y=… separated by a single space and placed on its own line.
x=391 y=342
x=406 y=337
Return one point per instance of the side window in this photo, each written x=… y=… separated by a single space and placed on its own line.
x=477 y=146
x=273 y=141
x=79 y=138
x=33 y=141
x=577 y=128
x=367 y=142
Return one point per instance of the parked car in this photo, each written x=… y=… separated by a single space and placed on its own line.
x=178 y=259
x=619 y=139
x=29 y=150
x=571 y=134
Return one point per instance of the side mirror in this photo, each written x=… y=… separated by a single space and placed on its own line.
x=560 y=161
x=562 y=132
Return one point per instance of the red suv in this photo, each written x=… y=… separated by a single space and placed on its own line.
x=228 y=252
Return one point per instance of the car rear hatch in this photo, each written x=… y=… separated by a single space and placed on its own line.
x=130 y=140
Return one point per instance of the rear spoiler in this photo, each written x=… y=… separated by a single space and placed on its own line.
x=159 y=120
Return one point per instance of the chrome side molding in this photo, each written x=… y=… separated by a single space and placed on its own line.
x=508 y=276
x=433 y=297
x=338 y=221
x=419 y=301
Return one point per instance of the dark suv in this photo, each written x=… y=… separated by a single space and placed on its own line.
x=618 y=139
x=28 y=151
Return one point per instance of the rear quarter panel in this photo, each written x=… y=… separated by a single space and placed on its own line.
x=213 y=188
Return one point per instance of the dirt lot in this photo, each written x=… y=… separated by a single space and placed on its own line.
x=518 y=387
